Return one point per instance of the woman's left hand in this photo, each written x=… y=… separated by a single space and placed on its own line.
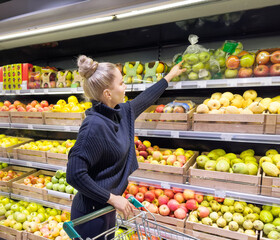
x=175 y=71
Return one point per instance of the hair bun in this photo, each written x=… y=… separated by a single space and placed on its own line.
x=87 y=66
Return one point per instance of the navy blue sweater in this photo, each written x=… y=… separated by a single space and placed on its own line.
x=103 y=156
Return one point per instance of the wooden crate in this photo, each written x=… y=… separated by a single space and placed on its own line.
x=6 y=186
x=27 y=117
x=5 y=117
x=216 y=233
x=31 y=236
x=225 y=180
x=269 y=186
x=8 y=233
x=8 y=152
x=18 y=187
x=58 y=159
x=236 y=123
x=171 y=222
x=68 y=119
x=262 y=236
x=30 y=155
x=59 y=197
x=165 y=172
x=272 y=124
x=166 y=121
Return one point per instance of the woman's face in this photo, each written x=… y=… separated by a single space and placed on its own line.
x=118 y=89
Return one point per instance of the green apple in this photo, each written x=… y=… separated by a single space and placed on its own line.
x=193 y=76
x=213 y=155
x=222 y=166
x=214 y=68
x=69 y=189
x=59 y=174
x=252 y=169
x=187 y=66
x=247 y=61
x=219 y=53
x=198 y=66
x=221 y=61
x=55 y=186
x=61 y=188
x=61 y=180
x=49 y=186
x=230 y=156
x=208 y=76
x=231 y=73
x=210 y=166
x=192 y=59
x=75 y=191
x=54 y=180
x=201 y=160
x=228 y=202
x=204 y=57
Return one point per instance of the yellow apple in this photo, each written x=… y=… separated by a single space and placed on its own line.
x=213 y=104
x=252 y=94
x=237 y=102
x=231 y=110
x=216 y=95
x=273 y=107
x=266 y=102
x=202 y=108
x=224 y=102
x=256 y=108
x=228 y=95
x=247 y=103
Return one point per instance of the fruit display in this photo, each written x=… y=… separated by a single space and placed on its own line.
x=166 y=202
x=148 y=154
x=271 y=163
x=64 y=79
x=58 y=183
x=132 y=72
x=33 y=106
x=72 y=105
x=219 y=160
x=270 y=216
x=174 y=107
x=8 y=141
x=48 y=145
x=249 y=103
x=3 y=165
x=267 y=63
x=9 y=175
x=39 y=181
x=228 y=214
x=154 y=71
x=33 y=218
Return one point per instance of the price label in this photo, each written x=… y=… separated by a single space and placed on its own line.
x=136 y=131
x=266 y=81
x=178 y=85
x=32 y=91
x=17 y=92
x=201 y=84
x=175 y=134
x=226 y=137
x=46 y=91
x=142 y=87
x=144 y=133
x=220 y=193
x=74 y=90
x=165 y=185
x=67 y=128
x=30 y=126
x=232 y=82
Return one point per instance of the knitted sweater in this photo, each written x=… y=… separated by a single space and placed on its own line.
x=104 y=156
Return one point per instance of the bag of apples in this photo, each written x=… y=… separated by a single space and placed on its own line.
x=240 y=63
x=267 y=62
x=196 y=61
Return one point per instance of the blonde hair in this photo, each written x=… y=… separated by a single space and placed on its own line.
x=98 y=76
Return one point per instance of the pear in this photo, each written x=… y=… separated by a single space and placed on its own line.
x=268 y=228
x=228 y=201
x=237 y=217
x=274 y=235
x=213 y=156
x=228 y=216
x=223 y=158
x=207 y=221
x=238 y=207
x=220 y=152
x=210 y=165
x=252 y=217
x=236 y=160
x=221 y=222
x=271 y=152
x=270 y=169
x=256 y=210
x=248 y=152
x=240 y=168
x=193 y=219
x=256 y=108
x=265 y=159
x=252 y=169
x=266 y=216
x=275 y=210
x=247 y=224
x=258 y=225
x=222 y=166
x=202 y=108
x=250 y=232
x=230 y=156
x=240 y=230
x=224 y=209
x=233 y=226
x=214 y=216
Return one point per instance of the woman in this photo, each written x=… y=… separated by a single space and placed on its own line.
x=104 y=156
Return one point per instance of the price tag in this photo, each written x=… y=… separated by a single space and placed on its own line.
x=232 y=83
x=30 y=126
x=226 y=137
x=67 y=128
x=46 y=91
x=201 y=84
x=266 y=81
x=32 y=91
x=144 y=133
x=136 y=131
x=178 y=85
x=165 y=185
x=142 y=87
x=175 y=134
x=17 y=92
x=74 y=90
x=220 y=193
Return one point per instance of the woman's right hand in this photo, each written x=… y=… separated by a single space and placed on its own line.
x=121 y=204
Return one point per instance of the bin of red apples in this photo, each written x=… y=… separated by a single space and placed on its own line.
x=267 y=62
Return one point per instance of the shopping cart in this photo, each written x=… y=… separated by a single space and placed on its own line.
x=140 y=227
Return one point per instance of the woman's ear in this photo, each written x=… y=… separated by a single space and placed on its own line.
x=107 y=94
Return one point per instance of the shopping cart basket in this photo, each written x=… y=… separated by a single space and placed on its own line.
x=139 y=227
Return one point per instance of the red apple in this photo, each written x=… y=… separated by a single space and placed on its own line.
x=169 y=193
x=198 y=197
x=28 y=107
x=203 y=212
x=156 y=148
x=7 y=103
x=155 y=201
x=144 y=154
x=262 y=57
x=26 y=181
x=179 y=197
x=133 y=190
x=183 y=206
x=275 y=57
x=158 y=192
x=261 y=71
x=245 y=72
x=159 y=108
x=137 y=143
x=21 y=109
x=150 y=150
x=180 y=213
x=46 y=109
x=177 y=190
x=152 y=208
x=192 y=204
x=188 y=194
x=140 y=196
x=34 y=103
x=44 y=103
x=182 y=159
x=173 y=205
x=4 y=109
x=12 y=106
x=145 y=204
x=171 y=159
x=149 y=196
x=163 y=200
x=275 y=69
x=157 y=155
x=141 y=147
x=16 y=103
x=39 y=109
x=232 y=62
x=219 y=200
x=177 y=164
x=164 y=210
x=143 y=189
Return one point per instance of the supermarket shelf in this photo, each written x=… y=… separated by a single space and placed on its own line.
x=218 y=83
x=45 y=166
x=5 y=160
x=42 y=127
x=42 y=202
x=253 y=198
x=5 y=194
